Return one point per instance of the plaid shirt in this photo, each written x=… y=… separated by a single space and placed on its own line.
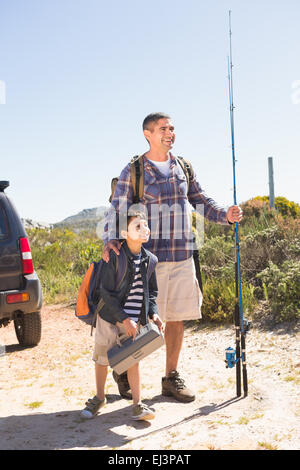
x=167 y=202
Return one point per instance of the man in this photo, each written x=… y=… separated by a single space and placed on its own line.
x=166 y=199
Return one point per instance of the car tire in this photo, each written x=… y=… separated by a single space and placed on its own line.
x=28 y=329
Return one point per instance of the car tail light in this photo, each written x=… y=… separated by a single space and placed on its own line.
x=15 y=298
x=27 y=263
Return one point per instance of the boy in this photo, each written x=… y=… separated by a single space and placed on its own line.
x=124 y=308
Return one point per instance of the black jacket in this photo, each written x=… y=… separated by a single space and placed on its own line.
x=114 y=299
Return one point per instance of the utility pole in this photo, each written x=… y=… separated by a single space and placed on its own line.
x=271 y=184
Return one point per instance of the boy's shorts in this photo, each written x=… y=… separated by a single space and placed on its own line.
x=107 y=336
x=179 y=296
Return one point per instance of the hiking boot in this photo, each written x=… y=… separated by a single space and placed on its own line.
x=174 y=386
x=142 y=412
x=123 y=385
x=93 y=405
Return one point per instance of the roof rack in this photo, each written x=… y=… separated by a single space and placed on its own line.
x=3 y=185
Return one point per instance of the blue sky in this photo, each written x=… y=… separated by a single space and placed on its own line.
x=81 y=75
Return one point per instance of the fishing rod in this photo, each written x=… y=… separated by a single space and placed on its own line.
x=236 y=358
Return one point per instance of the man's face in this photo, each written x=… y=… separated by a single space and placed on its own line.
x=161 y=136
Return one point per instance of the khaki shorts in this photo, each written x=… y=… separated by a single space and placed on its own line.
x=179 y=296
x=107 y=336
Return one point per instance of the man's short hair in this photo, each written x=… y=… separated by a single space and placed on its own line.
x=153 y=117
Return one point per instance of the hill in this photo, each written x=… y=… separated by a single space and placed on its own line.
x=87 y=219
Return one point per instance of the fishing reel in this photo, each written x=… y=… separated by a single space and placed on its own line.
x=230 y=354
x=230 y=358
x=246 y=325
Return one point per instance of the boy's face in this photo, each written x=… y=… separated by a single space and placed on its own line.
x=138 y=230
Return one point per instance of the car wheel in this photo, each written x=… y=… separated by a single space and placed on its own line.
x=28 y=329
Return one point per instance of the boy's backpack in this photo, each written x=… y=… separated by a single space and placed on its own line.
x=137 y=176
x=89 y=302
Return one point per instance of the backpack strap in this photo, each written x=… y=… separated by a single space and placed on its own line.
x=121 y=267
x=198 y=269
x=95 y=292
x=187 y=168
x=137 y=177
x=151 y=265
x=113 y=184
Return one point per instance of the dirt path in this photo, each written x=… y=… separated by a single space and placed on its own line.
x=43 y=389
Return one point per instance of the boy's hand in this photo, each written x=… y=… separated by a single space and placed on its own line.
x=111 y=245
x=130 y=327
x=158 y=322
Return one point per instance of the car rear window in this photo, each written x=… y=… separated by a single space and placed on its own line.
x=3 y=224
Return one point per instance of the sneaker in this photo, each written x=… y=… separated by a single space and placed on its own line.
x=93 y=405
x=173 y=385
x=142 y=412
x=123 y=385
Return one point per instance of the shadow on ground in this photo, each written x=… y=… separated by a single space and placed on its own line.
x=67 y=430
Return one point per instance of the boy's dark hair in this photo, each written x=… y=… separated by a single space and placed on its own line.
x=153 y=117
x=132 y=214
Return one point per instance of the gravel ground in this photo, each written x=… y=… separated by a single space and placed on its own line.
x=43 y=389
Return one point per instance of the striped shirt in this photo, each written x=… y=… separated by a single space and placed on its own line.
x=134 y=301
x=167 y=201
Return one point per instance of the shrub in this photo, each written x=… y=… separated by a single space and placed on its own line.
x=267 y=238
x=286 y=207
x=281 y=287
x=259 y=248
x=217 y=256
x=259 y=205
x=61 y=259
x=255 y=207
x=219 y=299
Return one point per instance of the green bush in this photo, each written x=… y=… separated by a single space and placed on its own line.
x=281 y=288
x=261 y=247
x=259 y=205
x=61 y=259
x=217 y=256
x=267 y=238
x=219 y=299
